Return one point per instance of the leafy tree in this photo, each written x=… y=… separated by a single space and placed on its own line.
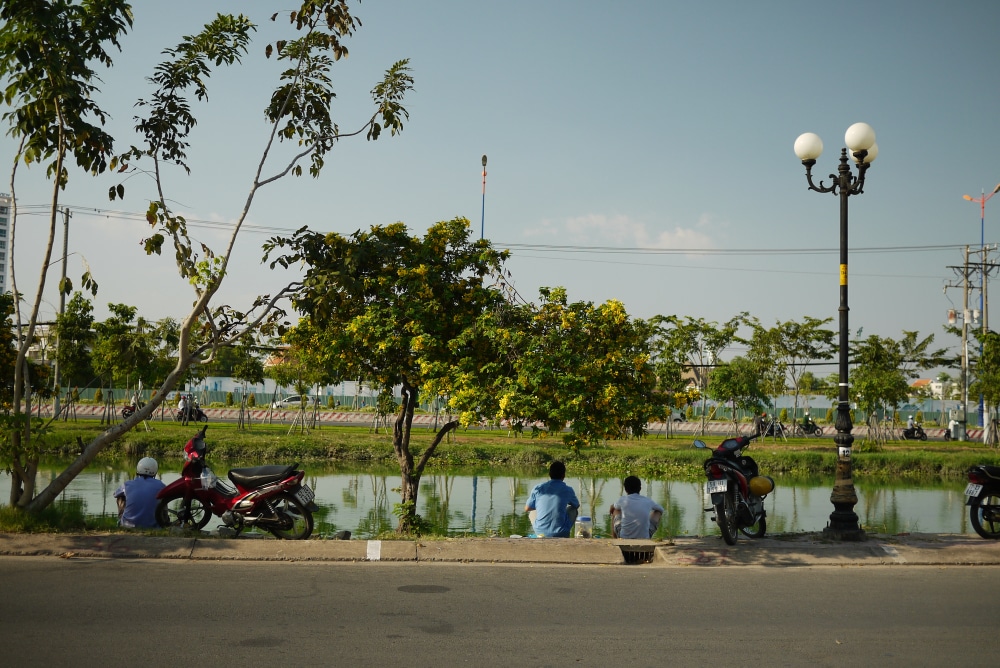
x=45 y=55
x=987 y=380
x=694 y=345
x=122 y=351
x=392 y=309
x=74 y=327
x=794 y=346
x=878 y=378
x=738 y=382
x=582 y=367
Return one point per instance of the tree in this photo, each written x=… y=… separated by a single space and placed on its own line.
x=794 y=346
x=738 y=383
x=122 y=352
x=392 y=309
x=45 y=51
x=878 y=379
x=987 y=380
x=694 y=345
x=577 y=366
x=74 y=327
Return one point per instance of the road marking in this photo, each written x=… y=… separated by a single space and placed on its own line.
x=374 y=550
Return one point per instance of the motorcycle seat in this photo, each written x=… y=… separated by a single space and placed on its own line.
x=256 y=476
x=990 y=471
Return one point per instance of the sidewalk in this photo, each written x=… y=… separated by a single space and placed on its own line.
x=790 y=550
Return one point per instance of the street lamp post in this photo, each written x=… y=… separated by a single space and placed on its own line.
x=860 y=140
x=981 y=201
x=482 y=221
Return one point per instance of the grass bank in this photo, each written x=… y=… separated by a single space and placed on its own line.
x=475 y=450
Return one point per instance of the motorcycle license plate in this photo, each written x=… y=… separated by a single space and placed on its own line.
x=305 y=494
x=716 y=486
x=973 y=489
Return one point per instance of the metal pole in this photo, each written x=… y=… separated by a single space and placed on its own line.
x=482 y=225
x=843 y=520
x=62 y=309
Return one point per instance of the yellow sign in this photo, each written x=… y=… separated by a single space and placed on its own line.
x=843 y=274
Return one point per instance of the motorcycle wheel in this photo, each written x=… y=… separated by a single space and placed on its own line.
x=817 y=432
x=798 y=431
x=202 y=417
x=301 y=520
x=178 y=513
x=725 y=515
x=984 y=513
x=755 y=530
x=126 y=412
x=923 y=436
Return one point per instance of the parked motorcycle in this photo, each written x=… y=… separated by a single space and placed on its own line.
x=983 y=498
x=273 y=498
x=916 y=433
x=808 y=428
x=737 y=489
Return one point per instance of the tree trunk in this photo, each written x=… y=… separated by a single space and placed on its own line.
x=409 y=472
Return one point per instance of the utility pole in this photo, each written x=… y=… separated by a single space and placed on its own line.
x=62 y=309
x=964 y=272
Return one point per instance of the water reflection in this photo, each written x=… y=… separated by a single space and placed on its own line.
x=492 y=504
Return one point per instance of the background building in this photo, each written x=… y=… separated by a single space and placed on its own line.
x=5 y=204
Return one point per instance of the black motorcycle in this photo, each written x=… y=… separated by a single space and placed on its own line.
x=983 y=498
x=914 y=433
x=194 y=414
x=737 y=489
x=808 y=428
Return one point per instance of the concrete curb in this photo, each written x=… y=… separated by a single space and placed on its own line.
x=792 y=550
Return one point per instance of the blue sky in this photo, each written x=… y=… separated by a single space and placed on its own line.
x=662 y=126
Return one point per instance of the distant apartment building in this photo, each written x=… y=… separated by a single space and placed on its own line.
x=5 y=206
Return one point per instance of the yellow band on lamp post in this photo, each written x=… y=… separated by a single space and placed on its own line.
x=843 y=274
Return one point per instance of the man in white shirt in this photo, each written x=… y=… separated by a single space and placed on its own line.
x=635 y=516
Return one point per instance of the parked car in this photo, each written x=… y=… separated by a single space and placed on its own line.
x=294 y=401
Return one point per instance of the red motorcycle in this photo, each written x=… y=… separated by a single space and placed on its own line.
x=270 y=497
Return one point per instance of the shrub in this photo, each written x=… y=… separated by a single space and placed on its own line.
x=689 y=413
x=98 y=396
x=229 y=398
x=783 y=415
x=919 y=417
x=252 y=400
x=330 y=401
x=829 y=415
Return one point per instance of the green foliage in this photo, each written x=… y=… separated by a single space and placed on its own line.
x=783 y=415
x=575 y=365
x=829 y=415
x=229 y=398
x=252 y=400
x=331 y=402
x=98 y=396
x=919 y=417
x=63 y=516
x=737 y=382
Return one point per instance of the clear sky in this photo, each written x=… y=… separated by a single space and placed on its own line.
x=645 y=130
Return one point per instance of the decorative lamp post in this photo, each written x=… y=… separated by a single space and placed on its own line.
x=981 y=201
x=860 y=140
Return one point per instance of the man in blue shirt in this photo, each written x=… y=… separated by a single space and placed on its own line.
x=552 y=505
x=137 y=497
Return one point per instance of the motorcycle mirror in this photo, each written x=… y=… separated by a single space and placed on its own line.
x=700 y=444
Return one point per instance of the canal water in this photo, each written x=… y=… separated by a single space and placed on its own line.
x=362 y=502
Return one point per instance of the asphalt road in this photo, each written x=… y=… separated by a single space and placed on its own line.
x=83 y=612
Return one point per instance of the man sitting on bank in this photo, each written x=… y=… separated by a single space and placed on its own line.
x=635 y=516
x=552 y=505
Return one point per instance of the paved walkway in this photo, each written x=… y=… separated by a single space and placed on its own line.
x=807 y=549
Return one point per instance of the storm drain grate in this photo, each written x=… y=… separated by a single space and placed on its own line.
x=638 y=554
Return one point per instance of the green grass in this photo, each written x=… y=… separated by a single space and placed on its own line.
x=468 y=451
